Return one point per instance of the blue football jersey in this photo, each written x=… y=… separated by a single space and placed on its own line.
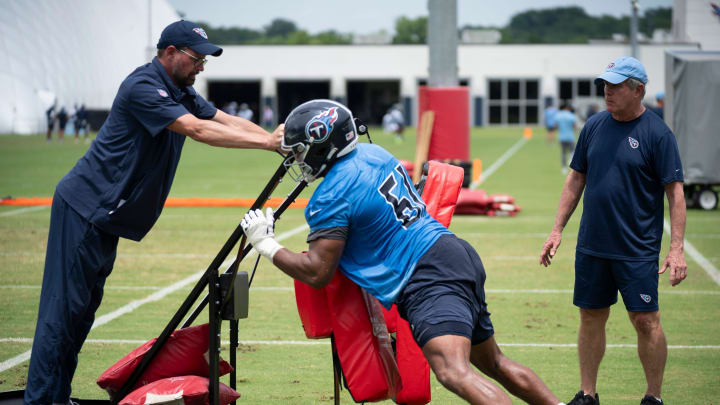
x=370 y=193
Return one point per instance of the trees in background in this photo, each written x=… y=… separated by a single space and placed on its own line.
x=548 y=26
x=278 y=32
x=574 y=25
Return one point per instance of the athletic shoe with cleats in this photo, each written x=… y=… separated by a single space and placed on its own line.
x=582 y=399
x=650 y=400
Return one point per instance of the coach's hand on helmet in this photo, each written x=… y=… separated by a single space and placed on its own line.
x=276 y=138
x=258 y=228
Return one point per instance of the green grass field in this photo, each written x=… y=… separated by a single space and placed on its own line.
x=531 y=306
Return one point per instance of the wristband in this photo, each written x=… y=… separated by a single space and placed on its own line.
x=268 y=247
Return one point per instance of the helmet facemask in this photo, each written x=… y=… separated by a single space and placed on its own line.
x=299 y=169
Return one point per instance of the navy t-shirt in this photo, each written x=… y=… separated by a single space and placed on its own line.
x=627 y=165
x=121 y=183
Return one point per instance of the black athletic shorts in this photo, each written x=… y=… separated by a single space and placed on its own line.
x=445 y=295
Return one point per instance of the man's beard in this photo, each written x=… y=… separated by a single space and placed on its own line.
x=183 y=80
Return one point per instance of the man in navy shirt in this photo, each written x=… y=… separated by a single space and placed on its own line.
x=625 y=160
x=118 y=189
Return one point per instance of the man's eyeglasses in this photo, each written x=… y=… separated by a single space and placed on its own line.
x=198 y=61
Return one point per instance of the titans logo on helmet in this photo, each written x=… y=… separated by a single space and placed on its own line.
x=319 y=127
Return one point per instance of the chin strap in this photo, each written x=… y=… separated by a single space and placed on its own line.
x=362 y=129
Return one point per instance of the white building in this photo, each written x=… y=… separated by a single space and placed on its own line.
x=508 y=84
x=697 y=21
x=79 y=51
x=71 y=52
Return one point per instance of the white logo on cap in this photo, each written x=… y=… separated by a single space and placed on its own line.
x=200 y=32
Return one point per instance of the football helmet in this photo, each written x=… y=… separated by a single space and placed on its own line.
x=317 y=133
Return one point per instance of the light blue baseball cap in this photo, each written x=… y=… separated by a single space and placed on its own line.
x=621 y=69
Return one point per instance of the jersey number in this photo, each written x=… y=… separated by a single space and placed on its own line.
x=407 y=210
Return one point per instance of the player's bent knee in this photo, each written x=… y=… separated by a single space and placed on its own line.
x=452 y=377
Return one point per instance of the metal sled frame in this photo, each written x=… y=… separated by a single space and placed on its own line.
x=211 y=279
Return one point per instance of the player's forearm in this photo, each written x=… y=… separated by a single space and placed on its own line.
x=569 y=198
x=307 y=268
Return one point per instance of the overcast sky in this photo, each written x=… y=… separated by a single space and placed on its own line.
x=366 y=16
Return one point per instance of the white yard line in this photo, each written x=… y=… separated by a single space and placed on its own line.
x=711 y=270
x=23 y=210
x=323 y=342
x=133 y=305
x=496 y=164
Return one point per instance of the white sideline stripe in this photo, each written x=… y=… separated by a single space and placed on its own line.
x=23 y=210
x=323 y=342
x=496 y=164
x=711 y=270
x=490 y=290
x=133 y=305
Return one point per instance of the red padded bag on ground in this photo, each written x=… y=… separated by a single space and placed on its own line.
x=363 y=346
x=188 y=390
x=184 y=353
x=473 y=202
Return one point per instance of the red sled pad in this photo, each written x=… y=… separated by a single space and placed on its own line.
x=363 y=346
x=312 y=305
x=187 y=390
x=184 y=353
x=442 y=188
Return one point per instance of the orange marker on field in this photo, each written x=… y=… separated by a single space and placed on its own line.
x=527 y=133
x=476 y=170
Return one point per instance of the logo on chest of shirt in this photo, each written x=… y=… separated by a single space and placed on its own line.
x=633 y=142
x=162 y=92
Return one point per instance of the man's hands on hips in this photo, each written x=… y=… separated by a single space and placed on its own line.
x=552 y=243
x=675 y=261
x=258 y=228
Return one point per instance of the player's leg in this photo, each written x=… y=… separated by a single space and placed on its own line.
x=639 y=288
x=516 y=378
x=448 y=357
x=595 y=291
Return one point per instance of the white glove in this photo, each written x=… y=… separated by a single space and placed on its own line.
x=259 y=231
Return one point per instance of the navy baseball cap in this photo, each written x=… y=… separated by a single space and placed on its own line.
x=622 y=69
x=186 y=33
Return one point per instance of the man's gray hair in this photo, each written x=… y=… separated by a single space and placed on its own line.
x=634 y=83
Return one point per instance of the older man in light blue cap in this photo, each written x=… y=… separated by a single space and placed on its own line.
x=625 y=160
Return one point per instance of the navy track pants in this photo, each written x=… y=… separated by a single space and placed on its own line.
x=79 y=258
